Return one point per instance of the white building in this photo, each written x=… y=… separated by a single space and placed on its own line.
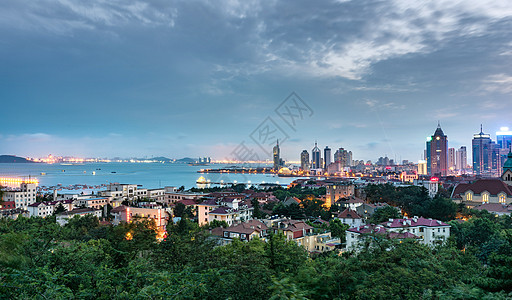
x=22 y=197
x=350 y=218
x=427 y=231
x=63 y=218
x=44 y=209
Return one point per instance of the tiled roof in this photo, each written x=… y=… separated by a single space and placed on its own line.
x=411 y=222
x=368 y=229
x=402 y=235
x=493 y=186
x=79 y=211
x=222 y=210
x=118 y=209
x=187 y=202
x=209 y=202
x=495 y=208
x=294 y=225
x=348 y=214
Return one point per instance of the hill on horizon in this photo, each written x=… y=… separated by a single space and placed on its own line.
x=9 y=159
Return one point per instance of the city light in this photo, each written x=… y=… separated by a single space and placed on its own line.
x=14 y=180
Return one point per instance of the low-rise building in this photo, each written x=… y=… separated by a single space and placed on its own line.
x=22 y=197
x=44 y=209
x=350 y=218
x=63 y=218
x=128 y=214
x=482 y=191
x=337 y=191
x=93 y=202
x=427 y=231
x=498 y=209
x=232 y=208
x=244 y=231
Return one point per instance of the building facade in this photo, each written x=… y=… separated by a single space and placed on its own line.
x=304 y=160
x=22 y=197
x=439 y=153
x=485 y=155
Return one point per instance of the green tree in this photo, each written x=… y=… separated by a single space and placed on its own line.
x=59 y=209
x=383 y=214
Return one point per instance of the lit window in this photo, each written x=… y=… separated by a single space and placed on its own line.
x=469 y=196
x=502 y=198
x=485 y=198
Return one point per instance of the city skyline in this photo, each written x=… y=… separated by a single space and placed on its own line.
x=119 y=79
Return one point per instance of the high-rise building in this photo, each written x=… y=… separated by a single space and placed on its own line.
x=304 y=160
x=486 y=160
x=327 y=157
x=438 y=153
x=504 y=138
x=277 y=157
x=504 y=141
x=343 y=157
x=451 y=159
x=427 y=154
x=316 y=158
x=461 y=160
x=422 y=167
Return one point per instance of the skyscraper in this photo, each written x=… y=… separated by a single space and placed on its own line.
x=427 y=154
x=504 y=141
x=504 y=138
x=439 y=153
x=327 y=157
x=485 y=154
x=277 y=158
x=316 y=162
x=304 y=160
x=451 y=159
x=461 y=160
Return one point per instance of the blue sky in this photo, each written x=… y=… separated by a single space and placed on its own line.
x=187 y=78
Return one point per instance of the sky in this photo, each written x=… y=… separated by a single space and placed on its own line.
x=194 y=78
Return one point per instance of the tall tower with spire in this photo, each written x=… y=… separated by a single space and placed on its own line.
x=485 y=154
x=277 y=157
x=438 y=153
x=316 y=158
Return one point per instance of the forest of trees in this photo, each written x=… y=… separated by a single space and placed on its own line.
x=87 y=260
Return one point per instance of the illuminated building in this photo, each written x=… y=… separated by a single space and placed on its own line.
x=451 y=159
x=304 y=160
x=316 y=158
x=461 y=160
x=485 y=154
x=22 y=197
x=504 y=138
x=327 y=157
x=422 y=167
x=277 y=159
x=427 y=153
x=438 y=153
x=504 y=141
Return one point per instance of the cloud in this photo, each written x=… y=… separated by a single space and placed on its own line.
x=377 y=104
x=66 y=16
x=498 y=83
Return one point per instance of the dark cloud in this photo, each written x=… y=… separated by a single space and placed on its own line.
x=212 y=72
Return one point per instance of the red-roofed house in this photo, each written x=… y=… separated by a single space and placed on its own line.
x=498 y=209
x=351 y=218
x=244 y=231
x=483 y=191
x=428 y=231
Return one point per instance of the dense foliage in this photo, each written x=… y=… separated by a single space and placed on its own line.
x=87 y=260
x=413 y=201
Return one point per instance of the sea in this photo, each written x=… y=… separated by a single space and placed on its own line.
x=149 y=175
